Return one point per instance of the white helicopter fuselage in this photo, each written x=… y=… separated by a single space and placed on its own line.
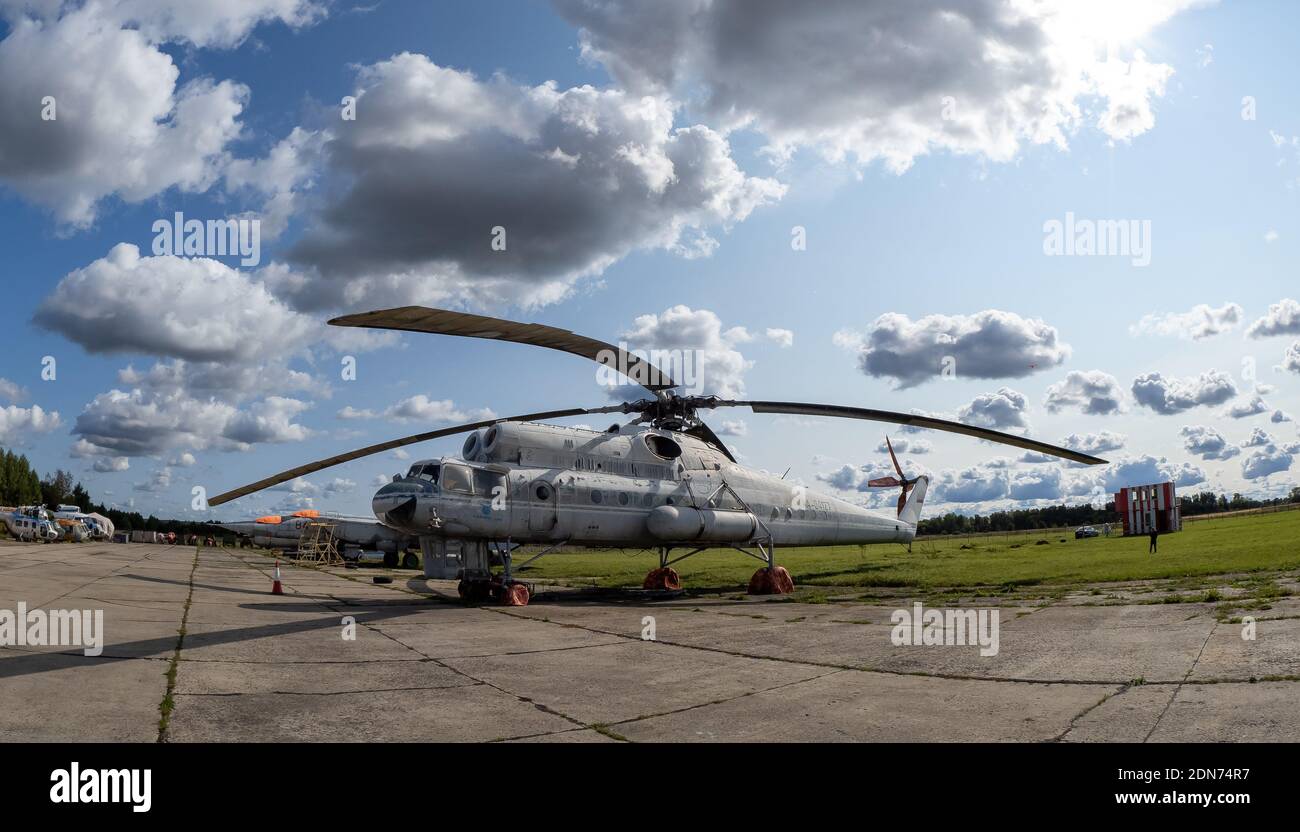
x=630 y=486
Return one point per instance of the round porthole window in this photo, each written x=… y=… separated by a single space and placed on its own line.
x=622 y=498
x=543 y=491
x=596 y=496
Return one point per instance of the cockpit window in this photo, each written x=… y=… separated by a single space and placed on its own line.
x=425 y=471
x=457 y=478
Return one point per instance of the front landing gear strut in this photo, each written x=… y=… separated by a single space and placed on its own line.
x=481 y=585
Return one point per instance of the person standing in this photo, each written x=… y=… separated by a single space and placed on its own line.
x=1154 y=534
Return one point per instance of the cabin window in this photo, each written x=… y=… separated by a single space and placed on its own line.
x=542 y=492
x=486 y=482
x=622 y=498
x=457 y=478
x=596 y=496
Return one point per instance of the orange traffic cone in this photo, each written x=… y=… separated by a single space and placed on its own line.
x=276 y=589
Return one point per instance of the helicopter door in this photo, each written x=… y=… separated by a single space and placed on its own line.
x=541 y=506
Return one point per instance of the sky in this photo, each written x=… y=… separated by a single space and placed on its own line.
x=870 y=204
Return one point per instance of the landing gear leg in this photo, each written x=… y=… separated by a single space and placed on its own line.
x=665 y=578
x=509 y=592
x=771 y=579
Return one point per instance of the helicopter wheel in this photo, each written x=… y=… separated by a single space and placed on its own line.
x=774 y=581
x=663 y=579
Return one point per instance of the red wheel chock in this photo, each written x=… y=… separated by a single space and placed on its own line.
x=774 y=581
x=514 y=595
x=664 y=578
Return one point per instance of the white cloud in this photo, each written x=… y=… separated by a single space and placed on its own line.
x=112 y=464
x=692 y=348
x=733 y=427
x=1093 y=392
x=1251 y=407
x=1001 y=410
x=1258 y=439
x=891 y=81
x=1267 y=461
x=11 y=391
x=903 y=445
x=419 y=408
x=154 y=422
x=123 y=126
x=1207 y=443
x=576 y=178
x=782 y=337
x=17 y=421
x=1169 y=396
x=1283 y=318
x=989 y=345
x=196 y=309
x=1095 y=443
x=1202 y=321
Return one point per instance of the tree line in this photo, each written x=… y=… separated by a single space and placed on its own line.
x=20 y=485
x=1063 y=516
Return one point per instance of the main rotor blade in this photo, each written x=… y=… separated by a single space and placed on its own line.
x=913 y=420
x=320 y=464
x=704 y=432
x=446 y=322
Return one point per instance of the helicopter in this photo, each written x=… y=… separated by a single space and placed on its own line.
x=663 y=480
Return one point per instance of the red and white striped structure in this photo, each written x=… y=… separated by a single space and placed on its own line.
x=1147 y=508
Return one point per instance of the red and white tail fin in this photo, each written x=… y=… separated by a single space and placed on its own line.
x=910 y=512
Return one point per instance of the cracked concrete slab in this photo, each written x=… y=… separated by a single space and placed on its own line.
x=573 y=668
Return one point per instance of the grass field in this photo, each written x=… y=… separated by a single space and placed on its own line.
x=1249 y=543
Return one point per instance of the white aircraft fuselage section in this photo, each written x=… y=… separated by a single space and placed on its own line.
x=634 y=486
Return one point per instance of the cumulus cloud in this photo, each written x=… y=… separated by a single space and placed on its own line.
x=1148 y=469
x=123 y=126
x=196 y=309
x=991 y=345
x=17 y=421
x=574 y=180
x=1279 y=416
x=782 y=337
x=1040 y=484
x=1291 y=361
x=1173 y=395
x=1001 y=410
x=1207 y=443
x=904 y=445
x=888 y=81
x=11 y=391
x=733 y=427
x=1258 y=439
x=1092 y=392
x=1252 y=407
x=154 y=422
x=1095 y=443
x=1283 y=318
x=972 y=485
x=1202 y=321
x=691 y=346
x=420 y=408
x=109 y=464
x=1268 y=460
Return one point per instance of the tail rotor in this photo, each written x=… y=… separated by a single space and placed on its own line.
x=900 y=480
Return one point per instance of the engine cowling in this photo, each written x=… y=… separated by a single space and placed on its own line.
x=685 y=523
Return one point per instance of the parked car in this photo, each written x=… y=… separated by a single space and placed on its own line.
x=1085 y=531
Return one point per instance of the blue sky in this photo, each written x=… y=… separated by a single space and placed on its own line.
x=955 y=229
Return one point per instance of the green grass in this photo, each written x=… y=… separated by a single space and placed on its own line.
x=1250 y=543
